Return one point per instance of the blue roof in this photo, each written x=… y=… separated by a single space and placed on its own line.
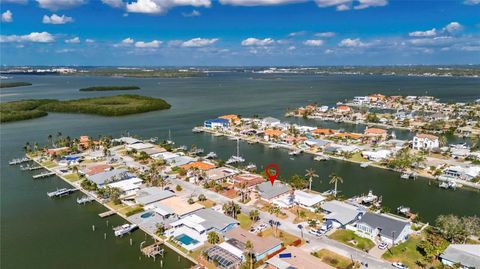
x=219 y=120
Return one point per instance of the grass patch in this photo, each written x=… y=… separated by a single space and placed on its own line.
x=133 y=210
x=350 y=238
x=207 y=203
x=72 y=177
x=48 y=164
x=118 y=207
x=335 y=260
x=357 y=157
x=109 y=88
x=118 y=105
x=245 y=221
x=288 y=239
x=304 y=215
x=14 y=84
x=406 y=252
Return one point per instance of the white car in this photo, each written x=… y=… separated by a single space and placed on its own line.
x=315 y=232
x=399 y=265
x=382 y=245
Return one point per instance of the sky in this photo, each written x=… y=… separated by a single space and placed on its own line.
x=239 y=32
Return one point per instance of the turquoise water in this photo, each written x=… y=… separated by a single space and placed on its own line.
x=186 y=240
x=147 y=215
x=46 y=233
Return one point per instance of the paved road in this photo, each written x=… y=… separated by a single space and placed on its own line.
x=315 y=243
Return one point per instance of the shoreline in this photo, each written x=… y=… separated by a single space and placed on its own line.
x=154 y=236
x=465 y=184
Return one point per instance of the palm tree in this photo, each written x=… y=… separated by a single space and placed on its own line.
x=310 y=175
x=231 y=209
x=334 y=179
x=243 y=191
x=250 y=255
x=50 y=139
x=254 y=214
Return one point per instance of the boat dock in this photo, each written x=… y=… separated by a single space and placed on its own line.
x=85 y=199
x=106 y=214
x=153 y=250
x=61 y=192
x=19 y=161
x=30 y=167
x=44 y=174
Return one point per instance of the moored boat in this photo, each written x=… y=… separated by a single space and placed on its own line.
x=124 y=229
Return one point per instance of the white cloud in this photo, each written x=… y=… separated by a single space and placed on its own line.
x=114 y=3
x=89 y=40
x=295 y=34
x=15 y=1
x=342 y=5
x=127 y=41
x=313 y=42
x=55 y=19
x=435 y=41
x=362 y=4
x=453 y=27
x=432 y=32
x=151 y=44
x=332 y=3
x=194 y=13
x=251 y=41
x=7 y=16
x=292 y=48
x=259 y=2
x=43 y=37
x=471 y=2
x=162 y=6
x=59 y=4
x=74 y=40
x=351 y=43
x=199 y=42
x=325 y=34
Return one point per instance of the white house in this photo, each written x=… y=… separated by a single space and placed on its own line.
x=377 y=156
x=462 y=172
x=467 y=255
x=425 y=142
x=361 y=100
x=383 y=227
x=308 y=200
x=270 y=122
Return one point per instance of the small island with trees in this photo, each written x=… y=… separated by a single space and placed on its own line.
x=109 y=88
x=14 y=84
x=118 y=105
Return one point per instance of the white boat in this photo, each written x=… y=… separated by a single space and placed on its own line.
x=170 y=141
x=273 y=146
x=295 y=152
x=321 y=158
x=364 y=165
x=403 y=210
x=85 y=199
x=211 y=155
x=251 y=166
x=237 y=158
x=197 y=130
x=183 y=147
x=124 y=229
x=443 y=185
x=369 y=198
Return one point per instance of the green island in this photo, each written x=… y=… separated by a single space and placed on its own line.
x=14 y=84
x=109 y=88
x=118 y=105
x=141 y=73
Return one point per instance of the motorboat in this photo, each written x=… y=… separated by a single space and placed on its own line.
x=124 y=229
x=211 y=155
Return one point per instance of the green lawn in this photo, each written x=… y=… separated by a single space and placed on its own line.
x=48 y=164
x=72 y=177
x=350 y=238
x=335 y=260
x=405 y=252
x=357 y=157
x=245 y=221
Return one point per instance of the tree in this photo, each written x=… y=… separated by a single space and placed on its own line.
x=160 y=229
x=434 y=244
x=250 y=256
x=243 y=192
x=254 y=215
x=443 y=140
x=202 y=198
x=453 y=228
x=298 y=182
x=231 y=209
x=213 y=238
x=334 y=179
x=310 y=175
x=178 y=188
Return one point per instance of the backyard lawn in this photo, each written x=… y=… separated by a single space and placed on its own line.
x=245 y=221
x=287 y=238
x=350 y=238
x=357 y=157
x=305 y=215
x=335 y=260
x=407 y=253
x=72 y=177
x=48 y=164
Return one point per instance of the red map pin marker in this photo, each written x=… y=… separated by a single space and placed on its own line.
x=274 y=176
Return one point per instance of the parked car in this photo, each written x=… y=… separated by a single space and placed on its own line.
x=315 y=232
x=327 y=226
x=382 y=245
x=399 y=265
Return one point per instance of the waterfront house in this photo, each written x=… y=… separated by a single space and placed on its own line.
x=465 y=255
x=383 y=227
x=353 y=136
x=179 y=206
x=425 y=142
x=140 y=146
x=232 y=118
x=340 y=213
x=150 y=195
x=217 y=123
x=295 y=258
x=129 y=187
x=322 y=131
x=269 y=192
x=309 y=201
x=462 y=172
x=375 y=134
x=220 y=174
x=225 y=256
x=126 y=140
x=196 y=226
x=272 y=134
x=377 y=156
x=270 y=122
x=95 y=169
x=57 y=151
x=361 y=100
x=179 y=160
x=376 y=97
x=343 y=109
x=165 y=155
x=103 y=178
x=262 y=246
x=317 y=143
x=202 y=166
x=247 y=179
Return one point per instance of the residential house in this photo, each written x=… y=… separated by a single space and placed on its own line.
x=249 y=180
x=103 y=178
x=220 y=174
x=308 y=200
x=465 y=255
x=375 y=134
x=150 y=195
x=295 y=258
x=343 y=109
x=217 y=123
x=129 y=187
x=341 y=214
x=462 y=172
x=361 y=100
x=385 y=228
x=179 y=206
x=272 y=134
x=202 y=166
x=322 y=131
x=262 y=246
x=377 y=156
x=270 y=122
x=232 y=118
x=425 y=142
x=269 y=192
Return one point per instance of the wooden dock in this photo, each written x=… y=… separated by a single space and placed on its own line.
x=153 y=250
x=106 y=214
x=42 y=175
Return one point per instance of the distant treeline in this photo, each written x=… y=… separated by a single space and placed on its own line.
x=14 y=84
x=109 y=88
x=118 y=105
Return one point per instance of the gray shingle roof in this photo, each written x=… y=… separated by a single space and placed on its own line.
x=267 y=191
x=110 y=176
x=213 y=219
x=467 y=255
x=341 y=212
x=152 y=194
x=386 y=224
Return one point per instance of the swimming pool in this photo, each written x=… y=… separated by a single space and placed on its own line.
x=146 y=215
x=186 y=240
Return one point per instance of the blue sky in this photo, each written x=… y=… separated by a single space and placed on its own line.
x=239 y=32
